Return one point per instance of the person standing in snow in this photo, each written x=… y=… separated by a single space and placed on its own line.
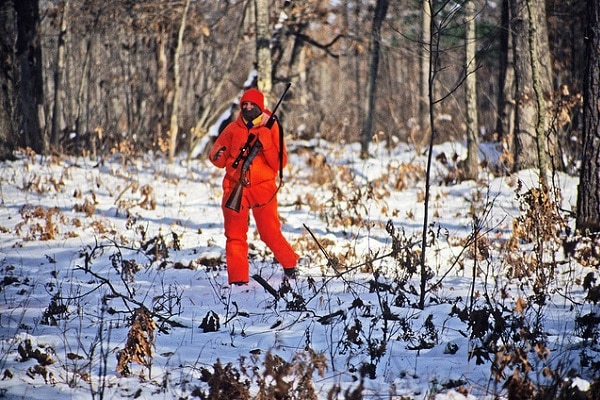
x=260 y=189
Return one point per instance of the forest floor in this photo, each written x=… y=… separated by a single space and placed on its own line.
x=114 y=284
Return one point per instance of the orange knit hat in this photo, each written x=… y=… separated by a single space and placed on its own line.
x=254 y=96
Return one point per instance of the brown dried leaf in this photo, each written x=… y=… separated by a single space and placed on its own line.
x=520 y=305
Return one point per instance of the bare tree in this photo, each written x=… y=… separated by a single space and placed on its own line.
x=588 y=197
x=539 y=96
x=530 y=38
x=59 y=71
x=378 y=18
x=441 y=23
x=174 y=127
x=8 y=33
x=506 y=103
x=471 y=167
x=216 y=84
x=425 y=62
x=263 y=46
x=21 y=99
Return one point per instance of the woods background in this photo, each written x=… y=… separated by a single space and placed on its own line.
x=101 y=76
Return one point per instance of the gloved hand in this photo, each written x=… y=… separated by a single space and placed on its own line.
x=266 y=138
x=218 y=153
x=269 y=139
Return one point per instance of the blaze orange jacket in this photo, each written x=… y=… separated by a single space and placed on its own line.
x=265 y=165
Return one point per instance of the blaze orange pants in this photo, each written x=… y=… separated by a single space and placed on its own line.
x=261 y=199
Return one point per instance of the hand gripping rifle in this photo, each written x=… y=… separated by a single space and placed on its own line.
x=234 y=202
x=243 y=151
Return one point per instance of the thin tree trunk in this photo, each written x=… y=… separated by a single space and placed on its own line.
x=367 y=129
x=545 y=89
x=81 y=115
x=21 y=84
x=525 y=114
x=505 y=123
x=58 y=77
x=297 y=66
x=588 y=197
x=425 y=65
x=471 y=167
x=174 y=125
x=263 y=48
x=539 y=98
x=162 y=93
x=356 y=58
x=433 y=50
x=8 y=36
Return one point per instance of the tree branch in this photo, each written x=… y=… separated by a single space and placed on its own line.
x=313 y=42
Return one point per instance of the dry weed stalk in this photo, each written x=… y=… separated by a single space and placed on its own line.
x=140 y=341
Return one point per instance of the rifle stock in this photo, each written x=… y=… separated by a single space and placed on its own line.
x=234 y=202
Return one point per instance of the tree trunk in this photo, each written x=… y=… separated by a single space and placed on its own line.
x=58 y=77
x=432 y=47
x=263 y=48
x=425 y=65
x=506 y=96
x=21 y=84
x=527 y=104
x=525 y=113
x=588 y=197
x=8 y=34
x=471 y=167
x=162 y=90
x=367 y=128
x=356 y=57
x=174 y=125
x=540 y=121
x=81 y=117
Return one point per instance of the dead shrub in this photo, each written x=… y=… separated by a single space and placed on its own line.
x=224 y=382
x=42 y=222
x=140 y=342
x=274 y=377
x=88 y=207
x=405 y=175
x=56 y=311
x=537 y=235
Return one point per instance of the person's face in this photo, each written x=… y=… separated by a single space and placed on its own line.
x=250 y=110
x=248 y=106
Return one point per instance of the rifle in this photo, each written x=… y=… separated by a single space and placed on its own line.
x=270 y=123
x=243 y=151
x=234 y=202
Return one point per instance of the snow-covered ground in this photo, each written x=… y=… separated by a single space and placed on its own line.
x=85 y=243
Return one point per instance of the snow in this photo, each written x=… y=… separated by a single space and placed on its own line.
x=83 y=243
